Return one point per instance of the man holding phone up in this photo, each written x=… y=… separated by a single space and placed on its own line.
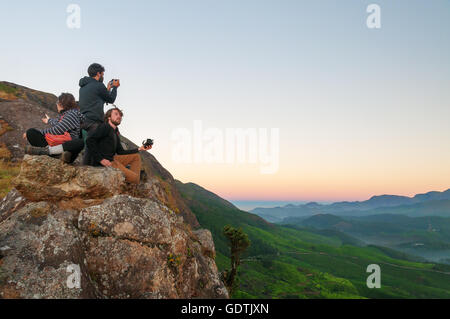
x=93 y=96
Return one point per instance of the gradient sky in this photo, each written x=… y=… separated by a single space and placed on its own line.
x=361 y=112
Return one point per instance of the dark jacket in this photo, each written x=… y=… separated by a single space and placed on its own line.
x=69 y=121
x=93 y=96
x=104 y=142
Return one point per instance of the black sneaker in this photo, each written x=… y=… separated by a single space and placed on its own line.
x=66 y=157
x=33 y=150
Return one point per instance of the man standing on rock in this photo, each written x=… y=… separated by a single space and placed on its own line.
x=107 y=150
x=93 y=96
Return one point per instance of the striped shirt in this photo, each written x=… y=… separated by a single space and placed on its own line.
x=70 y=121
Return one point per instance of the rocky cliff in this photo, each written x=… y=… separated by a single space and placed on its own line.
x=22 y=108
x=68 y=231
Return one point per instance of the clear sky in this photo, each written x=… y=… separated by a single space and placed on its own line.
x=360 y=111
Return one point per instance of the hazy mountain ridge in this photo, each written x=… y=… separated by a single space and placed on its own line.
x=382 y=204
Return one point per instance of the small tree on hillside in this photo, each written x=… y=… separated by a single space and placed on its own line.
x=239 y=242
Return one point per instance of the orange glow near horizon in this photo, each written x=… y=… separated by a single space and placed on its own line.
x=323 y=177
x=332 y=196
x=241 y=185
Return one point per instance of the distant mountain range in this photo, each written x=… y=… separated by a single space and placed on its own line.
x=431 y=203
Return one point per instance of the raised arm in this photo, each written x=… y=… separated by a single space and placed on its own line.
x=107 y=96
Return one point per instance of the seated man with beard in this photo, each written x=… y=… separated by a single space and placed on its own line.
x=106 y=149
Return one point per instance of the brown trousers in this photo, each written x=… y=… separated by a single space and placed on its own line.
x=133 y=174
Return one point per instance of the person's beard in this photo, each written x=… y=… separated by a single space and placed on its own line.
x=101 y=79
x=115 y=123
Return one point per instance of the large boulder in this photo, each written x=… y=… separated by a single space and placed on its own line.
x=139 y=248
x=125 y=247
x=38 y=244
x=47 y=178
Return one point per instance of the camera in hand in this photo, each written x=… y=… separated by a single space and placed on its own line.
x=111 y=83
x=148 y=142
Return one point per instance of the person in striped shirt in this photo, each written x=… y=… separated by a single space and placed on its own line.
x=69 y=121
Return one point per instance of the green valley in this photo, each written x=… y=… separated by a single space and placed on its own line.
x=287 y=262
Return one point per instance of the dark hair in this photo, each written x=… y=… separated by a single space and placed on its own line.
x=95 y=68
x=67 y=101
x=109 y=112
